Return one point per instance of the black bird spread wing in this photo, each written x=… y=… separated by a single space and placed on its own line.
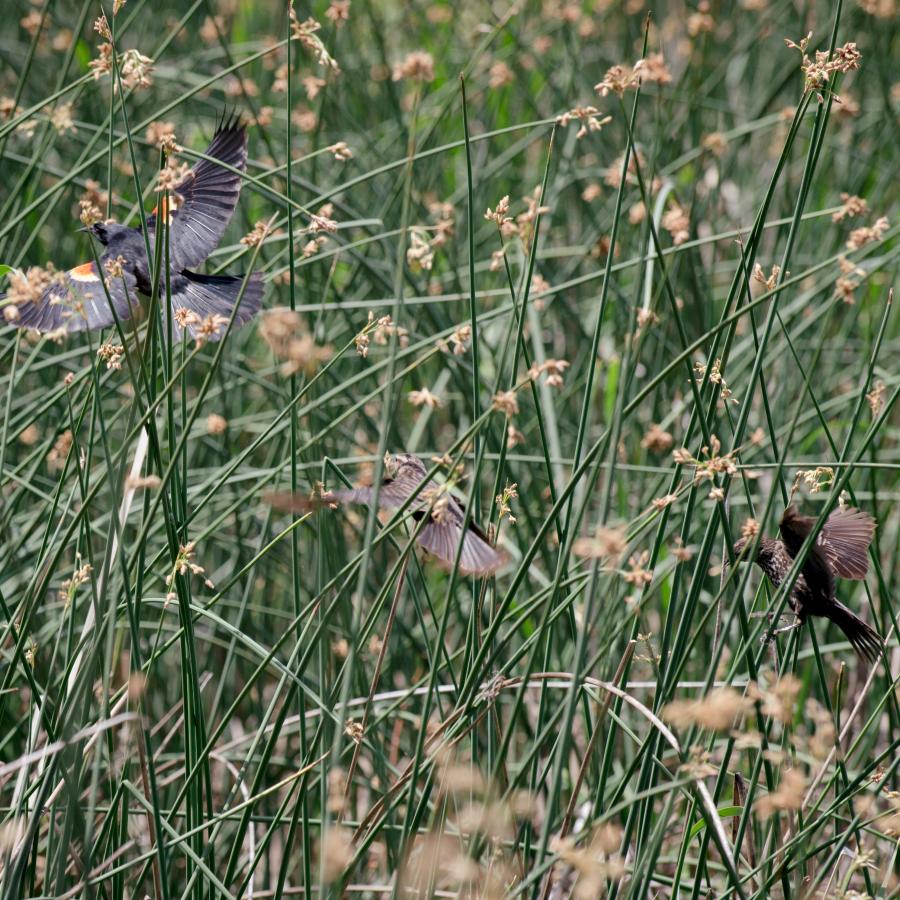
x=844 y=541
x=209 y=194
x=213 y=295
x=79 y=303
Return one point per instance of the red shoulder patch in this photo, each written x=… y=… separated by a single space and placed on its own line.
x=169 y=207
x=84 y=272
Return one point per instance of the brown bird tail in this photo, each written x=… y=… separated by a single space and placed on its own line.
x=865 y=640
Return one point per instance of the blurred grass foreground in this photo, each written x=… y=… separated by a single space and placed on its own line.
x=620 y=275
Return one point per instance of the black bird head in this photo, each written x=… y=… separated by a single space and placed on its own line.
x=105 y=231
x=100 y=231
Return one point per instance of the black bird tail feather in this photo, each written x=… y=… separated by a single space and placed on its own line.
x=865 y=640
x=209 y=295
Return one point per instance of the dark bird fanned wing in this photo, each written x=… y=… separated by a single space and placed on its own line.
x=478 y=557
x=844 y=541
x=80 y=303
x=214 y=295
x=209 y=194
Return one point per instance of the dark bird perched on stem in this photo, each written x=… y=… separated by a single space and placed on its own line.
x=439 y=536
x=840 y=551
x=199 y=208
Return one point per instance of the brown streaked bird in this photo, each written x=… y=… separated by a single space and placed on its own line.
x=840 y=551
x=440 y=536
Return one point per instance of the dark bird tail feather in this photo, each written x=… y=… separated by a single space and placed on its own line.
x=865 y=640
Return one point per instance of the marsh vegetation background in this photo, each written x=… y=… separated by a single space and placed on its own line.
x=684 y=307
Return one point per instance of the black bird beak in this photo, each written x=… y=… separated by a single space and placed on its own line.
x=84 y=228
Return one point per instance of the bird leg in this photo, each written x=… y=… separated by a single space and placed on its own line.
x=769 y=635
x=795 y=624
x=765 y=614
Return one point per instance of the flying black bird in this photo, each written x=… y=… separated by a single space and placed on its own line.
x=840 y=551
x=206 y=199
x=439 y=536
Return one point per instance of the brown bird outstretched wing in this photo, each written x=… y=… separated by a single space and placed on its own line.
x=478 y=557
x=844 y=541
x=78 y=302
x=209 y=194
x=393 y=494
x=439 y=537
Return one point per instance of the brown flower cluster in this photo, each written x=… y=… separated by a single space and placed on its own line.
x=69 y=586
x=715 y=377
x=817 y=71
x=849 y=280
x=306 y=34
x=676 y=221
x=92 y=203
x=210 y=328
x=257 y=235
x=290 y=341
x=379 y=330
x=424 y=397
x=419 y=254
x=162 y=136
x=415 y=66
x=771 y=280
x=506 y=402
x=552 y=368
x=621 y=78
x=504 y=503
x=816 y=480
x=606 y=543
x=111 y=354
x=595 y=863
x=589 y=117
x=185 y=565
x=859 y=237
x=500 y=214
x=338 y=12
x=458 y=342
x=875 y=397
x=321 y=221
x=851 y=206
x=713 y=462
x=340 y=151
x=525 y=221
x=617 y=80
x=637 y=574
x=61 y=118
x=717 y=711
x=787 y=796
x=59 y=452
x=656 y=439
